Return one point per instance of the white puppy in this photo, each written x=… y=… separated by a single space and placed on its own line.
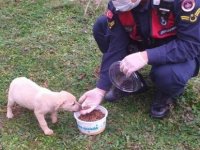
x=28 y=94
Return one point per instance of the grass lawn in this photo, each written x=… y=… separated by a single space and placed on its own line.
x=50 y=42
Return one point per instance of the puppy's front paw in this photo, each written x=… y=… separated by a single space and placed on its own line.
x=48 y=132
x=9 y=115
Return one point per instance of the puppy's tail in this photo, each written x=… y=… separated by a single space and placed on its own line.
x=10 y=90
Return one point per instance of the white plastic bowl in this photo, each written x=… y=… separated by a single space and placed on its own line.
x=92 y=128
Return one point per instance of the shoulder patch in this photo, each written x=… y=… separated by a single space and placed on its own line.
x=188 y=5
x=110 y=18
x=192 y=17
x=109 y=14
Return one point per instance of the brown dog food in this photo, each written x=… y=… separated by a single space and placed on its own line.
x=92 y=116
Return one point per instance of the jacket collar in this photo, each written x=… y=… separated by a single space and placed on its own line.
x=142 y=8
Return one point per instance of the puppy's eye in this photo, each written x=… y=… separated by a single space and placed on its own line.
x=73 y=104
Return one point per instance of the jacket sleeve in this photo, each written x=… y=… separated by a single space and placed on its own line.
x=117 y=50
x=186 y=46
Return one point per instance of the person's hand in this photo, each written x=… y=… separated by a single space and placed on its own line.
x=90 y=100
x=133 y=62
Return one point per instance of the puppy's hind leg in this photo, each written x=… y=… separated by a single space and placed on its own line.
x=10 y=104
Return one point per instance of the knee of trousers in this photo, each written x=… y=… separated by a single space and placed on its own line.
x=100 y=33
x=100 y=25
x=169 y=80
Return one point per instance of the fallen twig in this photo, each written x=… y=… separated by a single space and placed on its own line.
x=86 y=8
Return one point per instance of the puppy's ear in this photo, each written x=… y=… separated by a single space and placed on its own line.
x=60 y=101
x=65 y=98
x=59 y=104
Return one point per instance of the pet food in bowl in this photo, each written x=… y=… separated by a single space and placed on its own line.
x=92 y=123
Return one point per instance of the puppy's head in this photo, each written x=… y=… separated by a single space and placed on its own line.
x=68 y=102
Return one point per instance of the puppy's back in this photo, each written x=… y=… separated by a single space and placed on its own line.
x=22 y=83
x=23 y=91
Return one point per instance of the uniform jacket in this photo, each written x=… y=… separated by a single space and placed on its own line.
x=183 y=46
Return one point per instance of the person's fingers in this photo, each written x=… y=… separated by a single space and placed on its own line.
x=121 y=66
x=86 y=111
x=82 y=98
x=125 y=69
x=128 y=73
x=124 y=66
x=84 y=105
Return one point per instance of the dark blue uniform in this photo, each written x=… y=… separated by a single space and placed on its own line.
x=174 y=60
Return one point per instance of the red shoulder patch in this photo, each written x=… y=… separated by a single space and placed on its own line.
x=109 y=14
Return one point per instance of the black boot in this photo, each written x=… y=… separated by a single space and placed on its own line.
x=114 y=94
x=161 y=105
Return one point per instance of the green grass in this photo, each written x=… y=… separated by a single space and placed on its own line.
x=51 y=42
